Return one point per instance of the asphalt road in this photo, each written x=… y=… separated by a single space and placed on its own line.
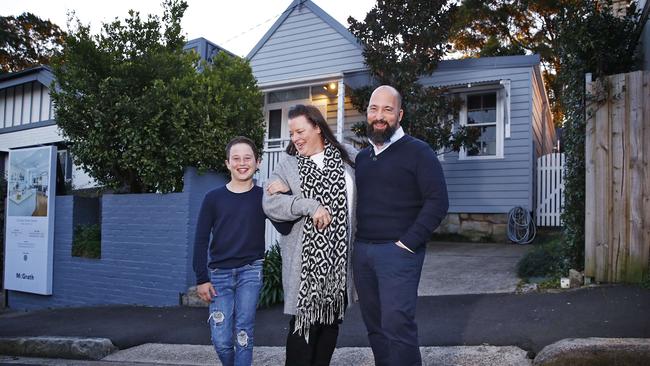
x=529 y=321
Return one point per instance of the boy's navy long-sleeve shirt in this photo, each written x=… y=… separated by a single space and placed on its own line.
x=402 y=194
x=236 y=222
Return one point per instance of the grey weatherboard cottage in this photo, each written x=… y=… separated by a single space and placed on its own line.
x=308 y=57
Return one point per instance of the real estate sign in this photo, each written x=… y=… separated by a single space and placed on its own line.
x=29 y=249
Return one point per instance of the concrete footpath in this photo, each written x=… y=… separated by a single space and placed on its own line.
x=468 y=314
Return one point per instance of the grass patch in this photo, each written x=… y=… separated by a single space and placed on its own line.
x=87 y=242
x=549 y=283
x=272 y=292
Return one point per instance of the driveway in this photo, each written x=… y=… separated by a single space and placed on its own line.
x=470 y=268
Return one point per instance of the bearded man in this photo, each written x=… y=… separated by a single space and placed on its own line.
x=402 y=198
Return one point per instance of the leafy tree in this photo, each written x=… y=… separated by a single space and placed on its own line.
x=27 y=41
x=591 y=38
x=512 y=27
x=137 y=111
x=403 y=41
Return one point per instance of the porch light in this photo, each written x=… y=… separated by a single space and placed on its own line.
x=332 y=86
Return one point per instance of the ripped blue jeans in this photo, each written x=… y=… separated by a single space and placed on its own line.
x=232 y=312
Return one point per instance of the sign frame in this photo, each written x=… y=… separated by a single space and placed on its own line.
x=30 y=208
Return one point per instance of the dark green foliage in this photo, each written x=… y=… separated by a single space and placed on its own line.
x=404 y=40
x=645 y=283
x=27 y=41
x=506 y=27
x=271 y=292
x=87 y=241
x=137 y=111
x=544 y=260
x=590 y=40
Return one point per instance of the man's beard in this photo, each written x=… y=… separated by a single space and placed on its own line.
x=379 y=137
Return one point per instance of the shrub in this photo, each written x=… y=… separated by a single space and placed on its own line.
x=87 y=241
x=544 y=260
x=645 y=283
x=135 y=111
x=272 y=292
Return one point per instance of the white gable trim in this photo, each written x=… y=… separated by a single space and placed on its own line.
x=316 y=10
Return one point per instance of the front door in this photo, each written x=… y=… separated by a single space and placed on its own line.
x=277 y=130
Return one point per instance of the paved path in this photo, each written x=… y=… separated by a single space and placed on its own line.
x=160 y=355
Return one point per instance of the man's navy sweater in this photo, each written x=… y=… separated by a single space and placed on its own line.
x=402 y=194
x=236 y=221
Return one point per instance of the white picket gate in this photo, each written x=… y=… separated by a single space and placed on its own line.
x=273 y=150
x=550 y=189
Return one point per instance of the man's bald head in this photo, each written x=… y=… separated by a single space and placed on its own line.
x=392 y=91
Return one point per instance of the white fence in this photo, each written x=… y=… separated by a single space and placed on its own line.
x=273 y=150
x=550 y=189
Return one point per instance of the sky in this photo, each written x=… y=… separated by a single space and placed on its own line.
x=235 y=25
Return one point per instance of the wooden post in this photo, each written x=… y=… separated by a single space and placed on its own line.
x=603 y=186
x=340 y=111
x=617 y=237
x=636 y=260
x=590 y=180
x=645 y=207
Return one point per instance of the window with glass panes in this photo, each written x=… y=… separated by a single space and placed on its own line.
x=482 y=115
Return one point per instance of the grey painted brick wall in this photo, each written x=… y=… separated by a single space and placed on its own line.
x=197 y=185
x=146 y=259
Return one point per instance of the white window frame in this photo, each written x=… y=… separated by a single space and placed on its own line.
x=501 y=112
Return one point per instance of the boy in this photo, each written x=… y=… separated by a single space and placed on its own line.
x=229 y=276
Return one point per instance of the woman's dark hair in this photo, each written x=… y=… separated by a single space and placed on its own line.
x=315 y=117
x=242 y=140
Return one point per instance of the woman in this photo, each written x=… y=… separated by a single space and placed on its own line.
x=314 y=186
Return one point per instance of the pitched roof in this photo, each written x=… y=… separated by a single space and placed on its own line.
x=205 y=48
x=42 y=74
x=496 y=62
x=316 y=10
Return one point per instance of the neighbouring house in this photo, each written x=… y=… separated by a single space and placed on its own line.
x=308 y=57
x=204 y=48
x=28 y=117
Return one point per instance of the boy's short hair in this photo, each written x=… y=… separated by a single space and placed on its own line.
x=241 y=140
